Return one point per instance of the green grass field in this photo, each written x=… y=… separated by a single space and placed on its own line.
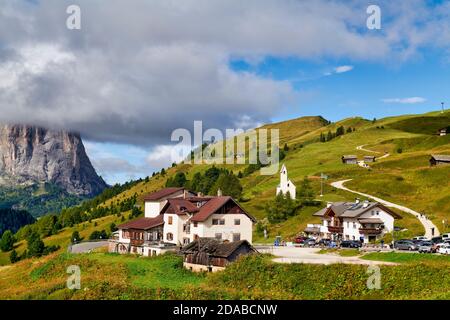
x=106 y=276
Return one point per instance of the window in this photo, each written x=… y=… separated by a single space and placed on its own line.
x=216 y=222
x=378 y=213
x=170 y=220
x=195 y=224
x=218 y=236
x=348 y=224
x=169 y=236
x=236 y=236
x=186 y=241
x=237 y=222
x=354 y=225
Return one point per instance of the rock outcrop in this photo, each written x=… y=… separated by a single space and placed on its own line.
x=30 y=155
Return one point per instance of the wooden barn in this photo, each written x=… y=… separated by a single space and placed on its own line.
x=369 y=158
x=209 y=254
x=438 y=159
x=349 y=159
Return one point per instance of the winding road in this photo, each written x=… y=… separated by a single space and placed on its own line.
x=86 y=247
x=361 y=147
x=427 y=224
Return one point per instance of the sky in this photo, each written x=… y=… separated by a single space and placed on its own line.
x=137 y=70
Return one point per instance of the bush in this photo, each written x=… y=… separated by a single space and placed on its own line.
x=14 y=257
x=399 y=150
x=75 y=237
x=96 y=235
x=7 y=241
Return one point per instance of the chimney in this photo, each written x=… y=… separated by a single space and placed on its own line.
x=219 y=192
x=329 y=204
x=184 y=194
x=357 y=200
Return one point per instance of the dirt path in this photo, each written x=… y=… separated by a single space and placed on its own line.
x=361 y=147
x=427 y=224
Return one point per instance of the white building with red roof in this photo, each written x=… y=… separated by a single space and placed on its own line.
x=175 y=217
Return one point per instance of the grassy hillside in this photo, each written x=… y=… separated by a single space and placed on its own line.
x=110 y=276
x=405 y=178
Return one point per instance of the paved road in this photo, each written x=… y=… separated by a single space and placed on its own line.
x=427 y=224
x=311 y=255
x=84 y=247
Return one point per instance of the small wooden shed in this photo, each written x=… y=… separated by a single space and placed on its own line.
x=210 y=254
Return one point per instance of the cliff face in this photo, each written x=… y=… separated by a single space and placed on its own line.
x=31 y=155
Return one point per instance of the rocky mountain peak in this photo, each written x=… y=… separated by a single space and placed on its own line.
x=30 y=155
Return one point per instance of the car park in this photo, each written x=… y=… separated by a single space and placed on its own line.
x=446 y=236
x=324 y=242
x=300 y=239
x=405 y=245
x=436 y=239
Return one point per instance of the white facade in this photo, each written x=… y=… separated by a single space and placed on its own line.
x=235 y=227
x=286 y=185
x=360 y=227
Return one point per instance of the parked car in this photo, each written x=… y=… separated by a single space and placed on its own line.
x=300 y=239
x=309 y=242
x=444 y=248
x=351 y=244
x=446 y=236
x=324 y=242
x=426 y=247
x=405 y=245
x=436 y=239
x=420 y=238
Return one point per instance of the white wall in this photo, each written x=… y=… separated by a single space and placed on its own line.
x=207 y=229
x=385 y=217
x=153 y=208
x=351 y=229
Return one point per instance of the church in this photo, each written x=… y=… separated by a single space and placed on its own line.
x=286 y=184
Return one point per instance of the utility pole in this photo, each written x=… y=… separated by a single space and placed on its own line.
x=322 y=177
x=442 y=103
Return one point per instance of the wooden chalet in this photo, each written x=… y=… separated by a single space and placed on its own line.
x=439 y=159
x=210 y=254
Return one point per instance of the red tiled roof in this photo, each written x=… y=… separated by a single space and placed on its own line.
x=143 y=223
x=215 y=204
x=161 y=194
x=180 y=206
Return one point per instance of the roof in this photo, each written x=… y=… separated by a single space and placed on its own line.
x=349 y=157
x=180 y=206
x=371 y=220
x=161 y=194
x=214 y=204
x=312 y=230
x=214 y=247
x=372 y=157
x=353 y=209
x=143 y=223
x=441 y=157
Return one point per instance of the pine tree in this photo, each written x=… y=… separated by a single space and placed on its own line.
x=7 y=241
x=13 y=256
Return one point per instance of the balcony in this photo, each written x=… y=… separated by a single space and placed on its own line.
x=371 y=231
x=335 y=229
x=136 y=242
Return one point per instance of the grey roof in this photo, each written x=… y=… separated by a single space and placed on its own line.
x=369 y=157
x=351 y=209
x=441 y=157
x=349 y=157
x=312 y=230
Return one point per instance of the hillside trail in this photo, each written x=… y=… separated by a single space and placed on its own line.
x=361 y=147
x=430 y=228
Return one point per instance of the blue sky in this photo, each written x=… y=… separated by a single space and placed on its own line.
x=136 y=72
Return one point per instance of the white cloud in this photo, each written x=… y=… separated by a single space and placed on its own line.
x=410 y=100
x=342 y=69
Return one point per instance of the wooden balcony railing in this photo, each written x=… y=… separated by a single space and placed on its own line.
x=371 y=231
x=335 y=229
